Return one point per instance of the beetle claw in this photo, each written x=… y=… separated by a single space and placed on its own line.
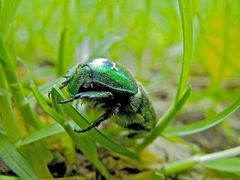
x=79 y=130
x=62 y=102
x=49 y=94
x=65 y=101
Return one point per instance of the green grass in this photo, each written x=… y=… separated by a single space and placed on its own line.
x=165 y=44
x=15 y=160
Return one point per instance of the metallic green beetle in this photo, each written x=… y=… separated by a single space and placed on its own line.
x=120 y=96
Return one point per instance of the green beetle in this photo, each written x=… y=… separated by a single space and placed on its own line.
x=120 y=96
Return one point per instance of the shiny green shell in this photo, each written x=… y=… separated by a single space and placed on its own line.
x=112 y=75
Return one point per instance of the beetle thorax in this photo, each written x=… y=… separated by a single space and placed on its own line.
x=81 y=77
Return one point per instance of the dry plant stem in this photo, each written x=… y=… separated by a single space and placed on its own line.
x=180 y=166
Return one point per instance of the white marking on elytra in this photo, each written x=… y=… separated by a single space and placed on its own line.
x=114 y=67
x=99 y=61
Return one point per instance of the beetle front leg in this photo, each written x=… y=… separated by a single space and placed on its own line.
x=65 y=83
x=109 y=113
x=89 y=95
x=71 y=99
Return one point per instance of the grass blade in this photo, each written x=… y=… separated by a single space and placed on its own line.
x=0 y=6
x=166 y=119
x=5 y=177
x=27 y=113
x=16 y=87
x=225 y=164
x=81 y=141
x=203 y=124
x=14 y=160
x=7 y=116
x=62 y=53
x=104 y=46
x=43 y=89
x=186 y=15
x=41 y=133
x=4 y=58
x=8 y=9
x=179 y=166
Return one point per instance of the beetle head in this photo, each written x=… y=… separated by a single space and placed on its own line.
x=78 y=77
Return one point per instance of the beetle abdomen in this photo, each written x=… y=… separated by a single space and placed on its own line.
x=136 y=113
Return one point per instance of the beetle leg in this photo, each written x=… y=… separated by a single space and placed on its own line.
x=96 y=95
x=89 y=95
x=138 y=127
x=49 y=94
x=65 y=83
x=71 y=99
x=109 y=113
x=133 y=134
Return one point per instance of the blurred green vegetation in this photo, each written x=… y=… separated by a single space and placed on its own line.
x=146 y=35
x=45 y=38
